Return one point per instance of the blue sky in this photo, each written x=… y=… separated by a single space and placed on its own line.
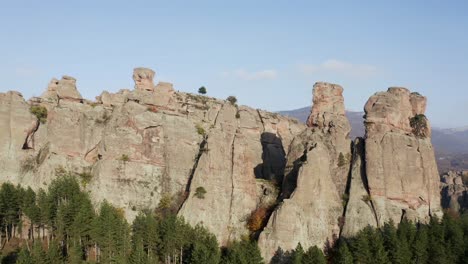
x=267 y=53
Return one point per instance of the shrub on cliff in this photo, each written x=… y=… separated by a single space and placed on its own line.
x=232 y=99
x=200 y=192
x=202 y=90
x=40 y=112
x=257 y=219
x=419 y=125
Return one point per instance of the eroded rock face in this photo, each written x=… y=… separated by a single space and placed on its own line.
x=141 y=146
x=315 y=180
x=226 y=170
x=454 y=190
x=400 y=165
x=143 y=78
x=359 y=211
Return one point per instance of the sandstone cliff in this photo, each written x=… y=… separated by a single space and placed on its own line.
x=137 y=147
x=217 y=164
x=317 y=172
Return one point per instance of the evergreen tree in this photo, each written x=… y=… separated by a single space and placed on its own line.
x=24 y=257
x=405 y=233
x=455 y=244
x=437 y=250
x=112 y=233
x=243 y=252
x=205 y=248
x=314 y=256
x=138 y=254
x=392 y=243
x=419 y=247
x=343 y=255
x=202 y=90
x=38 y=255
x=75 y=255
x=54 y=253
x=379 y=255
x=297 y=254
x=361 y=249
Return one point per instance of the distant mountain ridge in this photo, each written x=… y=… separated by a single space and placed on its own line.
x=451 y=145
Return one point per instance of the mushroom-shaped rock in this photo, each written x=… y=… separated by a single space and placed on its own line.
x=143 y=78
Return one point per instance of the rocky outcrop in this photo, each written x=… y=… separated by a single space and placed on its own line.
x=454 y=190
x=143 y=78
x=400 y=166
x=140 y=146
x=315 y=179
x=62 y=89
x=218 y=164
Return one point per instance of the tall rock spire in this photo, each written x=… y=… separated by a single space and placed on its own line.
x=400 y=167
x=316 y=175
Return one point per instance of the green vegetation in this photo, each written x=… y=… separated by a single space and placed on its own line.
x=124 y=158
x=341 y=160
x=200 y=192
x=202 y=90
x=237 y=115
x=367 y=198
x=200 y=129
x=85 y=177
x=64 y=227
x=419 y=125
x=40 y=112
x=232 y=99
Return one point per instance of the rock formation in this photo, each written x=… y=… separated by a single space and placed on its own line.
x=454 y=189
x=315 y=179
x=400 y=166
x=143 y=78
x=62 y=89
x=143 y=145
x=217 y=164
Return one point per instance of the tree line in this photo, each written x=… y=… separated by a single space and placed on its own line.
x=61 y=225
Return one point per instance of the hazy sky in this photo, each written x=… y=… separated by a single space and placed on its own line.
x=268 y=53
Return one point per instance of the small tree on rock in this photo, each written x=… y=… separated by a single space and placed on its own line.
x=202 y=90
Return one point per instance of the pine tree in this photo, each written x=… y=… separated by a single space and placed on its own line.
x=361 y=249
x=343 y=255
x=405 y=234
x=391 y=243
x=138 y=254
x=75 y=255
x=455 y=244
x=419 y=247
x=202 y=90
x=297 y=254
x=377 y=248
x=243 y=252
x=54 y=254
x=205 y=248
x=24 y=257
x=437 y=252
x=314 y=256
x=38 y=255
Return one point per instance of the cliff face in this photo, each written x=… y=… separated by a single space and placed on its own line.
x=216 y=163
x=317 y=172
x=135 y=148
